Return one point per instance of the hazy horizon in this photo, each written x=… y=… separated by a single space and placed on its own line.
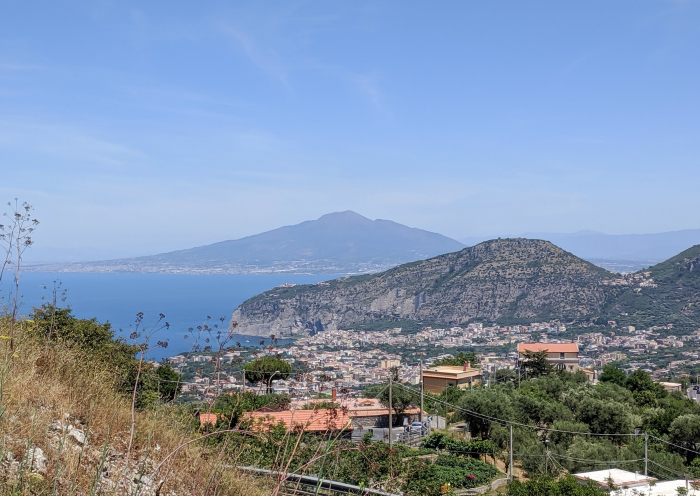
x=145 y=128
x=87 y=254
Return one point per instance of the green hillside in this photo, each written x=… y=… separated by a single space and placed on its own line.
x=669 y=294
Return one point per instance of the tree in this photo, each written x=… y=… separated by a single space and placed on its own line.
x=604 y=417
x=535 y=364
x=267 y=370
x=458 y=360
x=506 y=375
x=685 y=432
x=170 y=382
x=401 y=397
x=491 y=402
x=644 y=389
x=563 y=439
x=639 y=381
x=614 y=375
x=547 y=486
x=532 y=408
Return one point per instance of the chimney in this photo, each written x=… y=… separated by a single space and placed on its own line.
x=334 y=395
x=466 y=366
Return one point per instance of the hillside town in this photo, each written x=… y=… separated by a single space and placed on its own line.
x=354 y=359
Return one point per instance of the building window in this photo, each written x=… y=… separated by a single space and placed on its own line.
x=562 y=355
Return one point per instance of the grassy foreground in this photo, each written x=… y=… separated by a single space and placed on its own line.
x=66 y=427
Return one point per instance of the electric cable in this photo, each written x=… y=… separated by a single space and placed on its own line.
x=506 y=422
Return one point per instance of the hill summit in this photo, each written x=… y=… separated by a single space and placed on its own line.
x=498 y=280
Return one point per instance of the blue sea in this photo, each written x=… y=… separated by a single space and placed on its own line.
x=185 y=300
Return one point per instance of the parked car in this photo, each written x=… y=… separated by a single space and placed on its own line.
x=417 y=426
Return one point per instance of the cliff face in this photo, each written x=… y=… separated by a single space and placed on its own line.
x=498 y=280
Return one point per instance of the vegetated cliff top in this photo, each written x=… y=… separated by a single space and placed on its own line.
x=502 y=280
x=668 y=293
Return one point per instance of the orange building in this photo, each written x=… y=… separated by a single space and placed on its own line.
x=562 y=356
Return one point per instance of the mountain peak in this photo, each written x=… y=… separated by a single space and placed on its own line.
x=345 y=217
x=338 y=242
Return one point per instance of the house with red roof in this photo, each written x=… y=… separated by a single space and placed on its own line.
x=562 y=356
x=317 y=420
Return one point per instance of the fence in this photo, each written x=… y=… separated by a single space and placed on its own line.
x=297 y=484
x=413 y=438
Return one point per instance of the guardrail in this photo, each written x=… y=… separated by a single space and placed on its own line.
x=294 y=484
x=413 y=438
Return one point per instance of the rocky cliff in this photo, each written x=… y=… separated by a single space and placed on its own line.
x=499 y=280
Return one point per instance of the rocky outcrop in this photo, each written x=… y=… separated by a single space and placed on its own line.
x=499 y=280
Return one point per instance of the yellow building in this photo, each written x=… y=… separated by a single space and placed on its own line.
x=436 y=379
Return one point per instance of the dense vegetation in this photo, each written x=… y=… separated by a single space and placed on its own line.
x=58 y=325
x=565 y=423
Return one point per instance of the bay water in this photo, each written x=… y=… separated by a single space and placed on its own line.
x=185 y=300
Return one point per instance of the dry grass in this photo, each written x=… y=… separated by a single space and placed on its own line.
x=46 y=389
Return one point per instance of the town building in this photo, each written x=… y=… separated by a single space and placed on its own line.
x=319 y=420
x=437 y=379
x=562 y=356
x=672 y=386
x=620 y=479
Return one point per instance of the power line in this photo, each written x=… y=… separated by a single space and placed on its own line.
x=675 y=445
x=506 y=422
x=666 y=468
x=599 y=462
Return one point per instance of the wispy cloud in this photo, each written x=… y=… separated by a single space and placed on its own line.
x=67 y=142
x=369 y=85
x=18 y=67
x=266 y=60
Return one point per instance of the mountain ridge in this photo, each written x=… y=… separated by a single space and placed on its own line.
x=339 y=242
x=506 y=279
x=503 y=281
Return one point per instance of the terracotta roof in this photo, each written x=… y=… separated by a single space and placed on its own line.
x=380 y=411
x=550 y=347
x=321 y=420
x=207 y=418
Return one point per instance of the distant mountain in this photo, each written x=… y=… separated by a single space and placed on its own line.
x=341 y=242
x=504 y=280
x=617 y=252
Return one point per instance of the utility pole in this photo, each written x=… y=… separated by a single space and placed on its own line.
x=511 y=452
x=391 y=427
x=646 y=458
x=421 y=391
x=243 y=380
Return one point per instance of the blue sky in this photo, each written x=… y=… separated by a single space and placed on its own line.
x=138 y=127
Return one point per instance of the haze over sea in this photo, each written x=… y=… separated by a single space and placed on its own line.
x=186 y=300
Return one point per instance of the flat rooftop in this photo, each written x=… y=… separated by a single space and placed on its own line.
x=451 y=371
x=620 y=478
